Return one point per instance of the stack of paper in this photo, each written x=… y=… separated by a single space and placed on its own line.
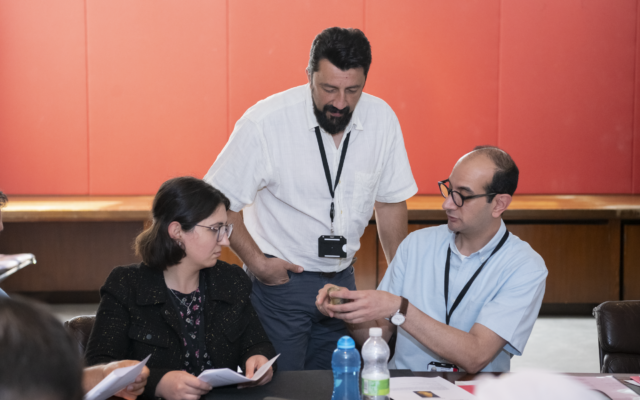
x=609 y=386
x=10 y=263
x=409 y=388
x=225 y=376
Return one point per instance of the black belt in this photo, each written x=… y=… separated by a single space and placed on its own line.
x=322 y=274
x=333 y=274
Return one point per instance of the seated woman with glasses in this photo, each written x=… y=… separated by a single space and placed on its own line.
x=182 y=305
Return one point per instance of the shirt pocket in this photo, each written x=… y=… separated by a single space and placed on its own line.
x=468 y=310
x=364 y=191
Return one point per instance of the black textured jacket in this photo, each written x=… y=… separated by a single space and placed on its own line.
x=136 y=318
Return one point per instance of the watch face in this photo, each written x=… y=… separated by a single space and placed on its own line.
x=397 y=319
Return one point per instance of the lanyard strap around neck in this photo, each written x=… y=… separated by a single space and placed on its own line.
x=327 y=172
x=468 y=285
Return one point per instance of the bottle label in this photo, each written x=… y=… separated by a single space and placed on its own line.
x=371 y=387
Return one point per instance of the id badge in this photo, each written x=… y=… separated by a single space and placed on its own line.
x=442 y=367
x=332 y=246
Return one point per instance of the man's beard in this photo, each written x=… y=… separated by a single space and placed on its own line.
x=332 y=125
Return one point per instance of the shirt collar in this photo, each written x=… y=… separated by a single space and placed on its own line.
x=312 y=122
x=487 y=249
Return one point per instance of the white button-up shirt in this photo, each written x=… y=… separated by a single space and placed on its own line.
x=505 y=297
x=271 y=167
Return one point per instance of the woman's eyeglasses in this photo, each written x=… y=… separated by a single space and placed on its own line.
x=220 y=230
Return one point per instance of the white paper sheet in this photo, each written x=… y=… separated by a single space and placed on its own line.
x=415 y=388
x=117 y=380
x=609 y=386
x=225 y=376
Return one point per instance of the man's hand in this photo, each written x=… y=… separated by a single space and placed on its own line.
x=136 y=388
x=273 y=271
x=365 y=305
x=253 y=364
x=181 y=385
x=93 y=375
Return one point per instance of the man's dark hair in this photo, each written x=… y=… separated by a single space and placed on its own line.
x=505 y=177
x=344 y=48
x=39 y=359
x=3 y=199
x=186 y=200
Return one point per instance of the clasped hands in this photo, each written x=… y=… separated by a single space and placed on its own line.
x=365 y=305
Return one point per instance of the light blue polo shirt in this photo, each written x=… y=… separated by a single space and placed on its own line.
x=505 y=297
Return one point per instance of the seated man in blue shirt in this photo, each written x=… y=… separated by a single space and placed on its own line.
x=465 y=294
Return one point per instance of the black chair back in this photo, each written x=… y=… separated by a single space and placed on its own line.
x=618 y=325
x=80 y=328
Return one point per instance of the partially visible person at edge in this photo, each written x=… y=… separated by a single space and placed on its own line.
x=40 y=360
x=462 y=295
x=281 y=166
x=184 y=306
x=3 y=202
x=91 y=376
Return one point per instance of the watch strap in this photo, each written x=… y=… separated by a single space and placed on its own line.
x=404 y=305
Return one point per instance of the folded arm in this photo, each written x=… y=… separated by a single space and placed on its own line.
x=471 y=350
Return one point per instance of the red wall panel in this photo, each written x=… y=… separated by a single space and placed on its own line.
x=566 y=93
x=157 y=91
x=436 y=64
x=43 y=114
x=114 y=97
x=269 y=43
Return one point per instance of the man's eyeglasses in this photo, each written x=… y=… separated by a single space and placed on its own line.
x=220 y=230
x=457 y=197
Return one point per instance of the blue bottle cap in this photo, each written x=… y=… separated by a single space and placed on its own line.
x=346 y=342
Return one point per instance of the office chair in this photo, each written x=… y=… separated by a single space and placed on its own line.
x=80 y=328
x=618 y=325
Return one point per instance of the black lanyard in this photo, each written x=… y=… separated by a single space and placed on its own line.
x=468 y=285
x=327 y=173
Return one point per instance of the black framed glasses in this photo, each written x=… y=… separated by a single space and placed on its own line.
x=220 y=230
x=457 y=197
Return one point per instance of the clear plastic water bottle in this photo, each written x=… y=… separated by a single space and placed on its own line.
x=375 y=374
x=346 y=370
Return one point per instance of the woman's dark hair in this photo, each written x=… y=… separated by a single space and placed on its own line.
x=3 y=199
x=186 y=200
x=344 y=48
x=505 y=178
x=40 y=360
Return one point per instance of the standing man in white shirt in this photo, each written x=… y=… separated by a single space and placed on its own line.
x=308 y=166
x=461 y=295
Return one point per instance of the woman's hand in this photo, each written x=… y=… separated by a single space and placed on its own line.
x=253 y=364
x=181 y=385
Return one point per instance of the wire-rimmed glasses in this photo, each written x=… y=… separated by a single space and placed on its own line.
x=220 y=230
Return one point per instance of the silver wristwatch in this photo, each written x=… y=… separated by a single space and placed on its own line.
x=399 y=317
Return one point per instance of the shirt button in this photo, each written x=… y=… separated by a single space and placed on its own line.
x=166 y=312
x=149 y=337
